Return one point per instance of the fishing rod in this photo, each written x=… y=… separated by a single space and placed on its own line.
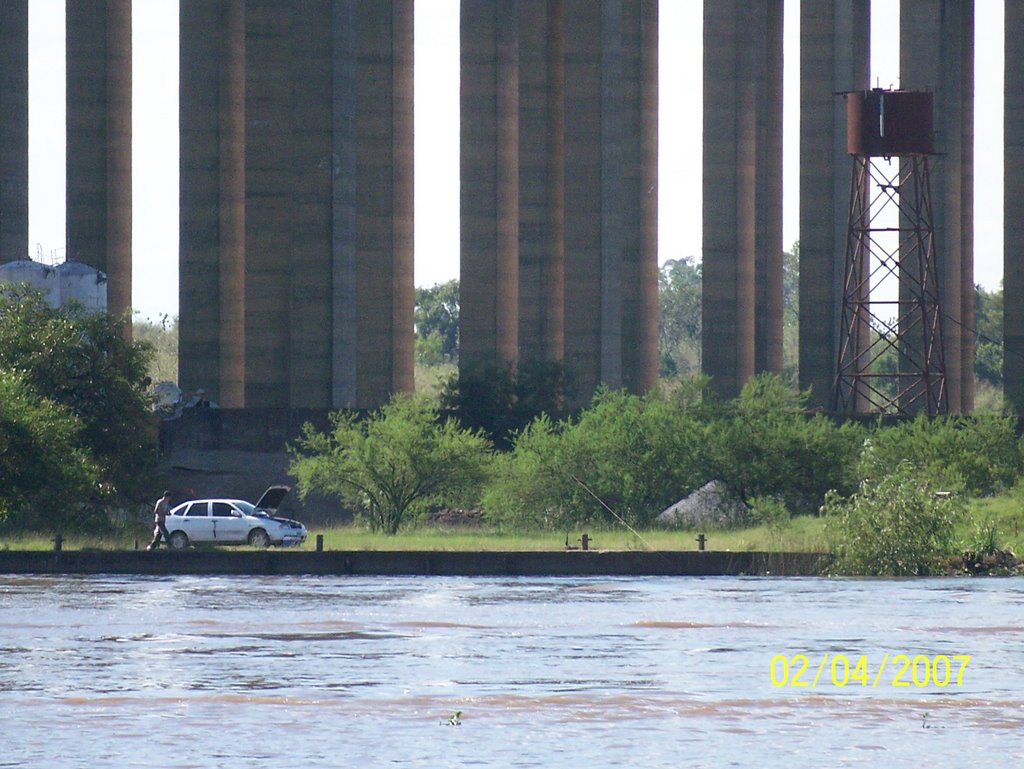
x=618 y=517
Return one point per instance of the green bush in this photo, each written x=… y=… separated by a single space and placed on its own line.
x=46 y=474
x=983 y=450
x=624 y=460
x=395 y=464
x=765 y=444
x=894 y=525
x=82 y=362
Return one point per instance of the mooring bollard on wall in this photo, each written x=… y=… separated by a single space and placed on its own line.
x=701 y=539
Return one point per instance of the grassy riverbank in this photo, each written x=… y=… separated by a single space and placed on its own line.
x=991 y=522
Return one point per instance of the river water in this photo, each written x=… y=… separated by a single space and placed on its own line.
x=647 y=672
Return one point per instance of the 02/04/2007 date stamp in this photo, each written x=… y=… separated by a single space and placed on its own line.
x=839 y=670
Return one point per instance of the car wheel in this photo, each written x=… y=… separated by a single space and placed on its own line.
x=179 y=540
x=259 y=538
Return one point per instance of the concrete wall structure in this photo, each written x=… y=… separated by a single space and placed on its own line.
x=99 y=142
x=296 y=201
x=559 y=188
x=13 y=130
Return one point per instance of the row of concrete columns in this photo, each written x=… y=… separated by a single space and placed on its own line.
x=559 y=187
x=99 y=131
x=296 y=185
x=742 y=187
x=296 y=201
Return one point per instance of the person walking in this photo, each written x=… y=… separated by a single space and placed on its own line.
x=160 y=511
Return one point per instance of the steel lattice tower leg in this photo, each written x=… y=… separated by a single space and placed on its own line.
x=890 y=341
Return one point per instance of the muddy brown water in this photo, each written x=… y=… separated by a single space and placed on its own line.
x=196 y=671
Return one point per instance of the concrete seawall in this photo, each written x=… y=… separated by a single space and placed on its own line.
x=384 y=563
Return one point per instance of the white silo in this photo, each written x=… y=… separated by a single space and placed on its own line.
x=38 y=276
x=83 y=284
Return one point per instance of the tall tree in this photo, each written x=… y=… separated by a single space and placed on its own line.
x=437 y=319
x=45 y=471
x=393 y=464
x=82 y=361
x=679 y=304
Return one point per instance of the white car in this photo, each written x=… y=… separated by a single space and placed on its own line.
x=233 y=522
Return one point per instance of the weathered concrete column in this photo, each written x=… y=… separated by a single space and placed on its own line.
x=297 y=201
x=611 y=194
x=198 y=220
x=768 y=245
x=1013 y=208
x=99 y=142
x=384 y=201
x=13 y=130
x=270 y=179
x=310 y=150
x=640 y=251
x=541 y=179
x=742 y=265
x=937 y=54
x=489 y=184
x=834 y=58
x=211 y=270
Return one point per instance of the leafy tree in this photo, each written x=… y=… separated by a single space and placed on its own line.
x=436 y=316
x=791 y=315
x=627 y=457
x=46 y=474
x=83 y=362
x=679 y=305
x=988 y=345
x=393 y=464
x=765 y=444
x=894 y=525
x=162 y=338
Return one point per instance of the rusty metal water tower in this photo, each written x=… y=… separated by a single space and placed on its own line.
x=890 y=358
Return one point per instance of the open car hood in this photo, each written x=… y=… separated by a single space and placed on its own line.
x=272 y=497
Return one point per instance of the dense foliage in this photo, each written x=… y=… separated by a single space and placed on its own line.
x=626 y=458
x=900 y=524
x=765 y=444
x=629 y=457
x=679 y=313
x=45 y=472
x=94 y=381
x=393 y=464
x=982 y=450
x=436 y=318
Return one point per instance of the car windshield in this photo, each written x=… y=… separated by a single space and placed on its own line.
x=250 y=509
x=246 y=507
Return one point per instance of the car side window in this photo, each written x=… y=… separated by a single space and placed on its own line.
x=222 y=510
x=196 y=509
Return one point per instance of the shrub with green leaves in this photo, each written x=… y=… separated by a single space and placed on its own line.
x=83 y=362
x=894 y=525
x=394 y=464
x=627 y=457
x=765 y=444
x=983 y=450
x=46 y=473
